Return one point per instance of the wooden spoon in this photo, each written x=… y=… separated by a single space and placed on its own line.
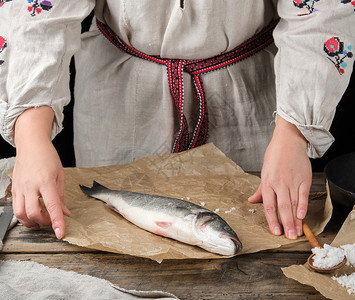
x=314 y=243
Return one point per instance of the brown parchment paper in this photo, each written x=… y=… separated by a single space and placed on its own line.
x=323 y=283
x=203 y=174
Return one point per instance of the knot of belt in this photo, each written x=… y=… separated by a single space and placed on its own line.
x=175 y=69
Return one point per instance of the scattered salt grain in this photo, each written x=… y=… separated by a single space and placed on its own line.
x=347 y=281
x=228 y=211
x=350 y=254
x=187 y=198
x=252 y=210
x=327 y=256
x=216 y=210
x=203 y=203
x=233 y=208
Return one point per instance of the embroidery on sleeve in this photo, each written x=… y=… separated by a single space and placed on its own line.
x=36 y=7
x=349 y=1
x=336 y=53
x=308 y=6
x=3 y=45
x=2 y=2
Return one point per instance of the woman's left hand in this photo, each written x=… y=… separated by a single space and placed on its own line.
x=286 y=179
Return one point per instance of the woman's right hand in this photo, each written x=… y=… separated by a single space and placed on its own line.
x=38 y=172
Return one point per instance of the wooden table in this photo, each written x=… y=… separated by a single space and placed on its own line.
x=249 y=276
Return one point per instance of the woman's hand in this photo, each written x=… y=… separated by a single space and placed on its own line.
x=286 y=179
x=38 y=172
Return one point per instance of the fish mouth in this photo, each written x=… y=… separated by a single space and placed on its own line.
x=238 y=245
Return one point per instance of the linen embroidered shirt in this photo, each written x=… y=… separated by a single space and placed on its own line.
x=123 y=109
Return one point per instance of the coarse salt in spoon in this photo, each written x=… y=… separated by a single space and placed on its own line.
x=315 y=244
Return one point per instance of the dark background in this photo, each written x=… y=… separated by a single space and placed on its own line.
x=343 y=128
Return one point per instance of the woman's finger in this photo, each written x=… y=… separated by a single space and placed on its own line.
x=34 y=210
x=257 y=196
x=284 y=203
x=60 y=189
x=303 y=195
x=53 y=204
x=18 y=204
x=294 y=204
x=270 y=207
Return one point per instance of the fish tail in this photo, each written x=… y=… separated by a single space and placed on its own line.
x=96 y=188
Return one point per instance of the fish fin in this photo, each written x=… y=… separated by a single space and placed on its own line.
x=113 y=208
x=163 y=224
x=96 y=187
x=86 y=190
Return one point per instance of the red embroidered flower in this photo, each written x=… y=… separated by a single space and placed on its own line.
x=333 y=46
x=352 y=2
x=338 y=53
x=2 y=44
x=299 y=3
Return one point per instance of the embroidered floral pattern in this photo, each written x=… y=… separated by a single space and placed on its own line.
x=3 y=45
x=337 y=54
x=306 y=5
x=37 y=7
x=2 y=2
x=348 y=1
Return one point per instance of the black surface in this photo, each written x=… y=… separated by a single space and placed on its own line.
x=340 y=173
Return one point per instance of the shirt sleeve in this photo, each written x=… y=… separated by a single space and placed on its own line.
x=37 y=40
x=315 y=40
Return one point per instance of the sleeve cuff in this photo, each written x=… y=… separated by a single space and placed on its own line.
x=10 y=114
x=319 y=139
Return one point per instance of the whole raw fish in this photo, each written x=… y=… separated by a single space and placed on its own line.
x=174 y=218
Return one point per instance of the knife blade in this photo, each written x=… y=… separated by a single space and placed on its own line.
x=6 y=214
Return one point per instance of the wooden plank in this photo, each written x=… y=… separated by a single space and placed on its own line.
x=250 y=276
x=21 y=239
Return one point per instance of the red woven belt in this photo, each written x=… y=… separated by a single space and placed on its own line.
x=175 y=69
